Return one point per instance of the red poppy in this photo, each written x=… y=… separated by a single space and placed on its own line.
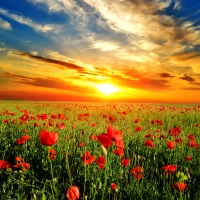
x=52 y=154
x=137 y=120
x=4 y=164
x=18 y=159
x=191 y=143
x=116 y=136
x=73 y=126
x=111 y=118
x=73 y=193
x=149 y=143
x=137 y=172
x=149 y=135
x=112 y=135
x=175 y=131
x=36 y=124
x=93 y=137
x=101 y=161
x=119 y=152
x=20 y=141
x=60 y=116
x=60 y=126
x=87 y=158
x=26 y=137
x=23 y=165
x=170 y=145
x=113 y=186
x=105 y=140
x=80 y=144
x=93 y=125
x=162 y=136
x=169 y=168
x=180 y=186
x=191 y=137
x=188 y=158
x=179 y=140
x=125 y=162
x=53 y=116
x=48 y=138
x=105 y=116
x=139 y=128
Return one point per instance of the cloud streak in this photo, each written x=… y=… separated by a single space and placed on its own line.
x=29 y=22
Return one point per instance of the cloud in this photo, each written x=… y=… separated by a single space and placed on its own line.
x=47 y=82
x=105 y=46
x=187 y=78
x=29 y=22
x=165 y=75
x=59 y=63
x=5 y=25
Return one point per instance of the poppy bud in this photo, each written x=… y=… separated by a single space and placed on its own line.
x=104 y=150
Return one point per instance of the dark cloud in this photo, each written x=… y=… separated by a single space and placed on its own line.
x=187 y=78
x=61 y=64
x=165 y=75
x=141 y=83
x=47 y=82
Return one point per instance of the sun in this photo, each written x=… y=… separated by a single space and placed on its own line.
x=107 y=88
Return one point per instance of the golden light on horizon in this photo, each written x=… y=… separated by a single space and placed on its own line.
x=107 y=88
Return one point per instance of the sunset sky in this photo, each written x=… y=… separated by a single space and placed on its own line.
x=149 y=50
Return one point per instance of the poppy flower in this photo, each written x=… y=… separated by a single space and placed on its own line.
x=101 y=161
x=191 y=137
x=36 y=124
x=188 y=158
x=137 y=120
x=87 y=158
x=113 y=186
x=93 y=137
x=125 y=162
x=169 y=168
x=179 y=140
x=4 y=164
x=174 y=131
x=137 y=172
x=119 y=152
x=139 y=128
x=26 y=137
x=105 y=140
x=191 y=143
x=52 y=154
x=80 y=144
x=93 y=125
x=170 y=145
x=20 y=141
x=48 y=138
x=180 y=186
x=112 y=135
x=60 y=126
x=149 y=143
x=18 y=159
x=111 y=118
x=116 y=136
x=149 y=135
x=73 y=193
x=23 y=165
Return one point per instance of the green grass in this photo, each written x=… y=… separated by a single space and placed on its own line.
x=51 y=178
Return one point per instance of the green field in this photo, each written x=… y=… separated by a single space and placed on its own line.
x=150 y=151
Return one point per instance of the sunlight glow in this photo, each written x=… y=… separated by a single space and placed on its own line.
x=107 y=88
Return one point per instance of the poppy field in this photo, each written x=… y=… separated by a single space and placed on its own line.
x=69 y=150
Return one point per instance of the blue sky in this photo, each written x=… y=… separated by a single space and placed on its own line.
x=148 y=49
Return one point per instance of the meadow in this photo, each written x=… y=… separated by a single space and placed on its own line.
x=69 y=150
